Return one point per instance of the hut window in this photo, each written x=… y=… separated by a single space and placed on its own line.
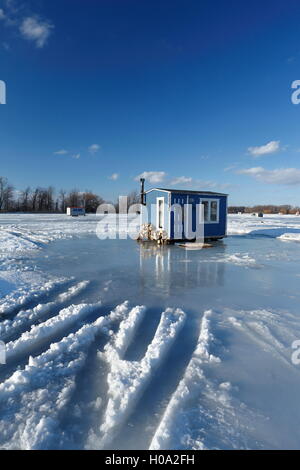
x=211 y=210
x=214 y=211
x=206 y=211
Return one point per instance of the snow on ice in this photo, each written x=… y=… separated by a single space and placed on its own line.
x=216 y=326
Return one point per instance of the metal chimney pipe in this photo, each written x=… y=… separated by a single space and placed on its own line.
x=142 y=191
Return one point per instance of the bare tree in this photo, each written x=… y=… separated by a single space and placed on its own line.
x=62 y=200
x=3 y=185
x=9 y=198
x=266 y=209
x=43 y=199
x=50 y=199
x=91 y=201
x=25 y=200
x=74 y=198
x=34 y=198
x=6 y=194
x=133 y=198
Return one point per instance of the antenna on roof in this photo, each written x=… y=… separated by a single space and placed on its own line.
x=142 y=191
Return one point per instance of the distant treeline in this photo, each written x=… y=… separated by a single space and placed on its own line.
x=49 y=200
x=269 y=209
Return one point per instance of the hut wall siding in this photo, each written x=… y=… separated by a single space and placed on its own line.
x=211 y=229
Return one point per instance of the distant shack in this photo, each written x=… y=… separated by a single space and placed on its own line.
x=75 y=211
x=257 y=214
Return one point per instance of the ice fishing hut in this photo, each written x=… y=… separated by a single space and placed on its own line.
x=165 y=210
x=75 y=211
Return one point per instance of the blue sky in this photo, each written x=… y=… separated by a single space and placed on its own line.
x=194 y=94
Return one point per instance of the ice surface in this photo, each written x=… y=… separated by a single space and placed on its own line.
x=220 y=375
x=270 y=224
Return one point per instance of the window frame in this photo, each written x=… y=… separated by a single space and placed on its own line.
x=209 y=200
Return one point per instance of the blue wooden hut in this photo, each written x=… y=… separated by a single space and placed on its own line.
x=166 y=211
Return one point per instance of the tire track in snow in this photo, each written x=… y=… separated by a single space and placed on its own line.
x=202 y=412
x=274 y=327
x=189 y=385
x=47 y=330
x=261 y=335
x=205 y=411
x=39 y=394
x=144 y=419
x=37 y=238
x=127 y=380
x=13 y=303
x=90 y=397
x=116 y=350
x=28 y=237
x=273 y=321
x=25 y=318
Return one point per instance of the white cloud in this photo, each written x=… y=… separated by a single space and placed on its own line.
x=76 y=156
x=198 y=184
x=94 y=149
x=36 y=30
x=229 y=168
x=61 y=152
x=211 y=185
x=181 y=180
x=114 y=176
x=32 y=27
x=152 y=176
x=270 y=147
x=288 y=176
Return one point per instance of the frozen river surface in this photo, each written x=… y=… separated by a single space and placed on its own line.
x=111 y=344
